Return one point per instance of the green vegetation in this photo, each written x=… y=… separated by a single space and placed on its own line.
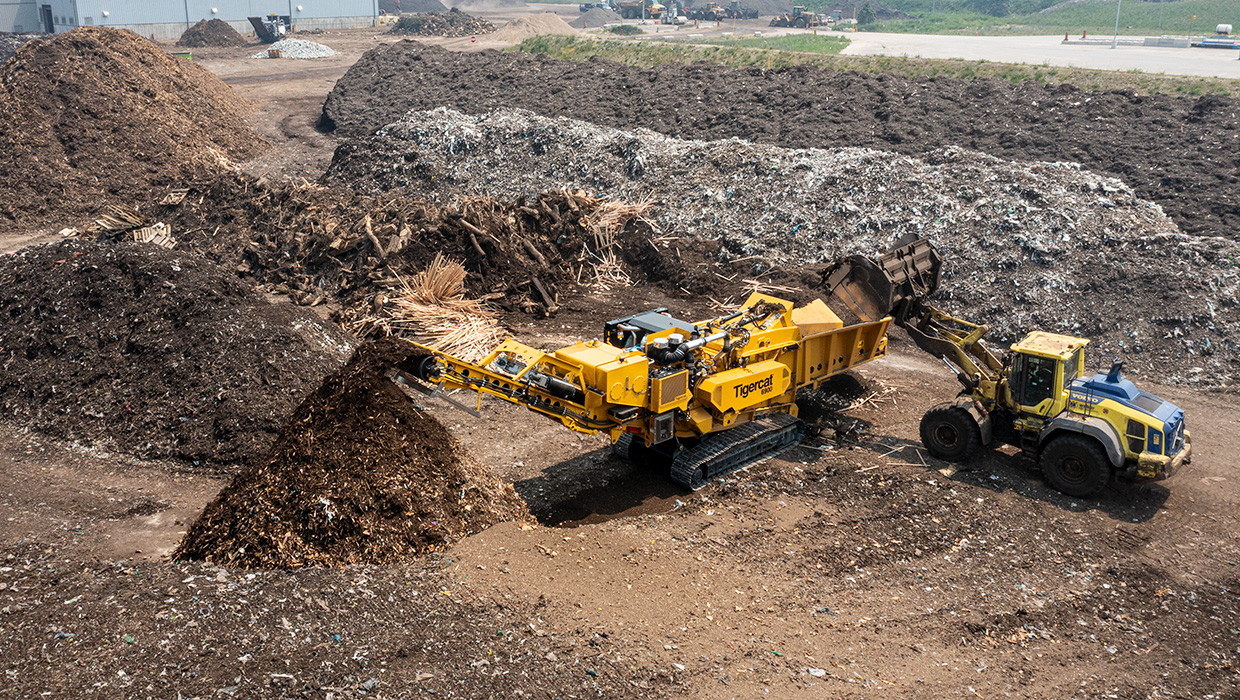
x=810 y=43
x=866 y=15
x=1140 y=17
x=625 y=29
x=648 y=54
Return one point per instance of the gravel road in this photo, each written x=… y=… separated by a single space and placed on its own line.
x=1050 y=50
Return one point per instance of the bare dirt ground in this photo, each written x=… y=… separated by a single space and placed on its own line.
x=854 y=567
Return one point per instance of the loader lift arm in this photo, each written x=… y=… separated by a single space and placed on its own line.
x=897 y=284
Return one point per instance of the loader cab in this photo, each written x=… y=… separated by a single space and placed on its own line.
x=1043 y=366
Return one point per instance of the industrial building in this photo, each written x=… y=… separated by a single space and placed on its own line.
x=165 y=19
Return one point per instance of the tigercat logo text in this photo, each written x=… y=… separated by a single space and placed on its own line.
x=762 y=386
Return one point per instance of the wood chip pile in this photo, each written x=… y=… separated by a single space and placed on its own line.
x=359 y=475
x=215 y=32
x=100 y=115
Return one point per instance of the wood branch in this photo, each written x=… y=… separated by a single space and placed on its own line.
x=529 y=248
x=374 y=240
x=555 y=215
x=547 y=299
x=470 y=227
x=478 y=247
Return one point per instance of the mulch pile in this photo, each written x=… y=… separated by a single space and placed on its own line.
x=10 y=42
x=97 y=115
x=359 y=475
x=216 y=32
x=453 y=23
x=320 y=244
x=1180 y=152
x=153 y=352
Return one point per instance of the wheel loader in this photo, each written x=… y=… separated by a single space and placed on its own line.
x=799 y=18
x=704 y=398
x=1080 y=429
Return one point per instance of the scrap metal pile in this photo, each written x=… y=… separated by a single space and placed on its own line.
x=1029 y=245
x=11 y=42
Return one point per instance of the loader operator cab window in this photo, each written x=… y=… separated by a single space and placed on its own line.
x=1037 y=379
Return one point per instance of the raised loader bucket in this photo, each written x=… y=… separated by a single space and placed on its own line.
x=886 y=285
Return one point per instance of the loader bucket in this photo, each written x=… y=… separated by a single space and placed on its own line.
x=886 y=285
x=260 y=30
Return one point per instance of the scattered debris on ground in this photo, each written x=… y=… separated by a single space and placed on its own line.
x=360 y=475
x=530 y=26
x=11 y=42
x=96 y=115
x=153 y=352
x=1190 y=170
x=1027 y=245
x=296 y=48
x=360 y=632
x=595 y=18
x=453 y=23
x=214 y=33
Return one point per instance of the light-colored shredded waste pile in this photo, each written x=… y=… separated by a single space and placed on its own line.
x=596 y=17
x=297 y=48
x=1026 y=245
x=530 y=26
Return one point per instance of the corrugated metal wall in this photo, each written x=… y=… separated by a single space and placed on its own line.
x=70 y=13
x=19 y=16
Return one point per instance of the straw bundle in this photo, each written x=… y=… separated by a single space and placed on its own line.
x=432 y=309
x=605 y=221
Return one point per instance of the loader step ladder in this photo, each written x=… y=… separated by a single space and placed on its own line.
x=731 y=450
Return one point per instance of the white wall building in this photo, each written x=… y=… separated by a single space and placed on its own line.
x=168 y=18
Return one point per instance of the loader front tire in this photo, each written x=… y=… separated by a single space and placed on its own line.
x=1076 y=465
x=950 y=433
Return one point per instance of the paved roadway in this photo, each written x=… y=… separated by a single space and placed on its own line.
x=1050 y=50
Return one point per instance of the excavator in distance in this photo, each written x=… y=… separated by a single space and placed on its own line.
x=1081 y=430
x=706 y=398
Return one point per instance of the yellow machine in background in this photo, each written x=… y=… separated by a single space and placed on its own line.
x=710 y=397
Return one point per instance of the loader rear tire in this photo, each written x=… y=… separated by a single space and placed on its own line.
x=1075 y=465
x=950 y=433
